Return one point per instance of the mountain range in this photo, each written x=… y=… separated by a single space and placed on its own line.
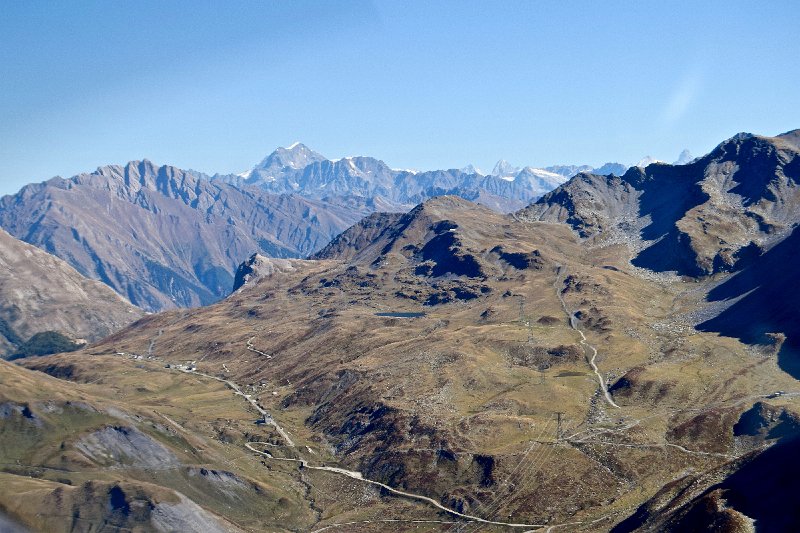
x=298 y=169
x=620 y=355
x=164 y=237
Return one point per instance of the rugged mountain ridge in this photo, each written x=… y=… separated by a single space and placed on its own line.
x=164 y=237
x=711 y=215
x=298 y=169
x=40 y=293
x=735 y=209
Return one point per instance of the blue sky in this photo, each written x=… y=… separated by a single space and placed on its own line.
x=216 y=86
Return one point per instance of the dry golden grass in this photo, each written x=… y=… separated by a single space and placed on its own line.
x=421 y=403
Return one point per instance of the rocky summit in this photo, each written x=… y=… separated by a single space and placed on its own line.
x=164 y=237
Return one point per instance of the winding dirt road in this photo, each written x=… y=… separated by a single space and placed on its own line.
x=360 y=477
x=573 y=323
x=267 y=417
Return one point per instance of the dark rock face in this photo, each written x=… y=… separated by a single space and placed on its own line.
x=762 y=487
x=445 y=252
x=768 y=292
x=164 y=237
x=636 y=386
x=520 y=260
x=243 y=273
x=767 y=422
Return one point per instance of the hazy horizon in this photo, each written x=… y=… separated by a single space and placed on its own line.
x=216 y=88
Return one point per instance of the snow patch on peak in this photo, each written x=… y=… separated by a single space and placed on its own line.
x=684 y=158
x=542 y=173
x=293 y=145
x=647 y=160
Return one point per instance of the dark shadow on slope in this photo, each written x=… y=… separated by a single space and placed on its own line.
x=447 y=256
x=668 y=192
x=764 y=488
x=772 y=291
x=673 y=252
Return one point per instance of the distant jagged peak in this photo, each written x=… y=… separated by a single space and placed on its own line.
x=360 y=165
x=504 y=169
x=472 y=169
x=543 y=173
x=647 y=161
x=143 y=173
x=568 y=170
x=684 y=158
x=610 y=168
x=139 y=167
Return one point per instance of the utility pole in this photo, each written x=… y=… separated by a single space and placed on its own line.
x=522 y=319
x=521 y=307
x=558 y=426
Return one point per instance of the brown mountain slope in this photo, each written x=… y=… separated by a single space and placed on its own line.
x=163 y=237
x=356 y=237
x=125 y=453
x=735 y=209
x=754 y=493
x=466 y=356
x=40 y=292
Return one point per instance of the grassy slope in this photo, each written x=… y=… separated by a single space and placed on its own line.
x=449 y=382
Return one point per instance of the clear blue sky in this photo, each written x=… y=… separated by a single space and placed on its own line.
x=215 y=86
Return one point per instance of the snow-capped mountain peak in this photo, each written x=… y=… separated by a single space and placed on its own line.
x=471 y=169
x=296 y=156
x=504 y=169
x=296 y=169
